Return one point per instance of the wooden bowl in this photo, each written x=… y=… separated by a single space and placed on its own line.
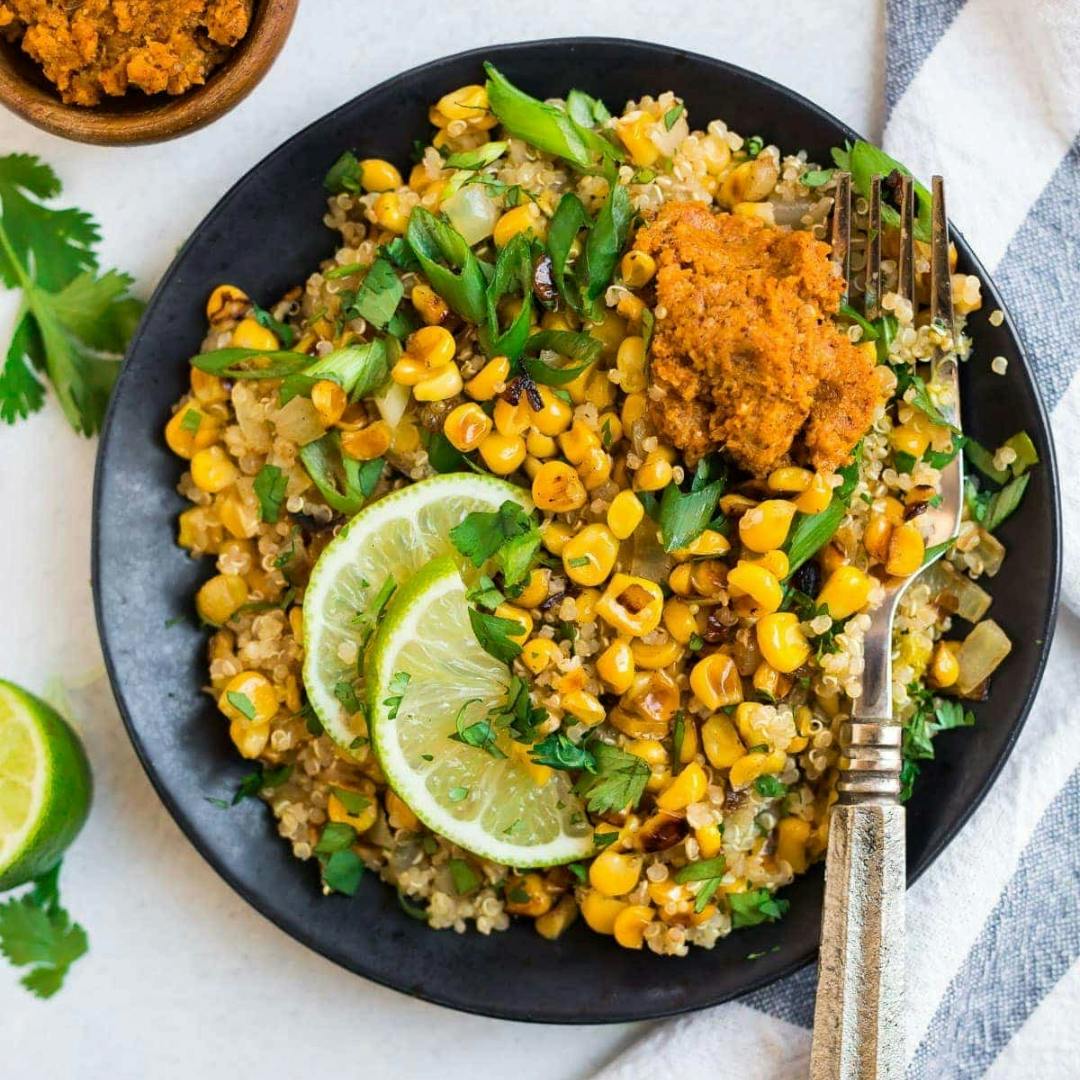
x=144 y=118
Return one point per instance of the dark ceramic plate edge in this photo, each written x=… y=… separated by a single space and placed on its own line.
x=264 y=904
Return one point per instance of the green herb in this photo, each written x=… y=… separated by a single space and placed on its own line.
x=481 y=734
x=414 y=911
x=379 y=295
x=602 y=840
x=678 y=733
x=368 y=619
x=482 y=533
x=457 y=794
x=449 y=264
x=344 y=175
x=685 y=515
x=359 y=370
x=560 y=752
x=270 y=484
x=466 y=879
x=311 y=720
x=569 y=219
x=811 y=532
x=1005 y=502
x=513 y=274
x=770 y=787
x=754 y=907
x=518 y=713
x=606 y=239
x=935 y=550
x=516 y=557
x=345 y=692
x=428 y=757
x=443 y=457
x=336 y=475
x=191 y=420
x=586 y=110
x=241 y=702
x=286 y=555
x=336 y=836
x=397 y=685
x=484 y=594
x=355 y=803
x=360 y=740
x=754 y=145
x=1026 y=454
x=342 y=271
x=671 y=117
x=920 y=399
x=399 y=253
x=71 y=325
x=983 y=460
x=479 y=158
x=579 y=871
x=619 y=780
x=251 y=363
x=282 y=331
x=342 y=871
x=763 y=952
x=495 y=635
x=903 y=461
x=702 y=870
x=254 y=782
x=864 y=161
x=705 y=894
x=815 y=178
x=932 y=715
x=36 y=932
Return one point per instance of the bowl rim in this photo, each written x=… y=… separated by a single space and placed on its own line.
x=159 y=117
x=264 y=903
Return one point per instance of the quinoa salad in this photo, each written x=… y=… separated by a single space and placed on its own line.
x=545 y=519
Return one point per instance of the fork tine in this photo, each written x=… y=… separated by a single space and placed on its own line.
x=941 y=302
x=906 y=268
x=873 y=253
x=841 y=229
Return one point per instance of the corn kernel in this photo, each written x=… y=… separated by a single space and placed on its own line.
x=600 y=911
x=212 y=470
x=816 y=497
x=613 y=873
x=219 y=598
x=846 y=591
x=655 y=655
x=792 y=834
x=629 y=925
x=536 y=588
x=654 y=474
x=190 y=429
x=518 y=220
x=638 y=268
x=906 y=550
x=540 y=653
x=251 y=335
x=502 y=454
x=389 y=213
x=554 y=923
x=634 y=408
x=944 y=667
x=790 y=479
x=766 y=525
x=679 y=580
x=432 y=307
x=363 y=802
x=688 y=787
x=208 y=389
x=630 y=363
x=615 y=666
x=558 y=488
x=368 y=443
x=707 y=544
x=485 y=384
x=632 y=605
x=761 y=585
x=710 y=840
x=555 y=415
x=466 y=427
x=634 y=135
x=226 y=302
x=721 y=741
x=250 y=703
x=585 y=707
x=715 y=681
x=625 y=514
x=378 y=175
x=589 y=556
x=329 y=400
x=554 y=536
x=464 y=103
x=522 y=618
x=578 y=442
x=748 y=768
x=782 y=641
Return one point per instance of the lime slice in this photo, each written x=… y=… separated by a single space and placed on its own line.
x=44 y=786
x=492 y=806
x=383 y=546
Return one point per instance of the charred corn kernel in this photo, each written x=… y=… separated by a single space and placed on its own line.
x=876 y=537
x=528 y=894
x=512 y=418
x=554 y=536
x=378 y=175
x=558 y=488
x=212 y=469
x=907 y=439
x=554 y=417
x=707 y=544
x=893 y=510
x=654 y=474
x=615 y=666
x=589 y=556
x=208 y=389
x=790 y=479
x=389 y=213
x=625 y=514
x=518 y=220
x=630 y=364
x=749 y=767
x=362 y=801
x=595 y=468
x=770 y=683
x=680 y=620
x=638 y=268
x=578 y=441
x=250 y=335
x=600 y=911
x=715 y=681
x=708 y=577
x=631 y=308
x=553 y=924
x=752 y=181
x=782 y=642
x=502 y=454
x=329 y=400
x=464 y=103
x=710 y=840
x=613 y=873
x=485 y=384
x=634 y=408
x=540 y=446
x=816 y=497
x=761 y=585
x=522 y=618
x=906 y=550
x=219 y=598
x=792 y=834
x=539 y=654
x=629 y=925
x=634 y=132
x=652 y=656
x=190 y=430
x=536 y=588
x=846 y=591
x=585 y=707
x=765 y=526
x=688 y=787
x=433 y=346
x=679 y=580
x=632 y=605
x=776 y=562
x=369 y=442
x=721 y=741
x=226 y=302
x=944 y=668
x=466 y=427
x=431 y=306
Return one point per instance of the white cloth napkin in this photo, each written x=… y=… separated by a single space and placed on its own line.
x=986 y=92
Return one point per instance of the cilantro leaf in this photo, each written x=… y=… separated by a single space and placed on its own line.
x=561 y=752
x=270 y=485
x=619 y=781
x=379 y=295
x=342 y=872
x=466 y=880
x=482 y=533
x=756 y=906
x=685 y=515
x=496 y=634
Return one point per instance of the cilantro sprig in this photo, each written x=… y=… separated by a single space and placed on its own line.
x=72 y=324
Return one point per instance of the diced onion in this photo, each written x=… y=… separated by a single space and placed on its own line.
x=472 y=212
x=980 y=655
x=991 y=550
x=392 y=401
x=956 y=593
x=298 y=421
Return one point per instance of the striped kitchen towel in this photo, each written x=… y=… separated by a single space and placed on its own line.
x=986 y=92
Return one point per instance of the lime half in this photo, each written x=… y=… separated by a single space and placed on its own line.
x=423 y=668
x=44 y=786
x=380 y=549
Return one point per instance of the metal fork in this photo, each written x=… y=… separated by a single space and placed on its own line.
x=859 y=1012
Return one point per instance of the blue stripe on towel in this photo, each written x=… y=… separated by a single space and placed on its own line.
x=912 y=30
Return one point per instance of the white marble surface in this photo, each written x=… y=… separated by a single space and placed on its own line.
x=184 y=979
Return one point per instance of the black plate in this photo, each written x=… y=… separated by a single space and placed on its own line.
x=266 y=235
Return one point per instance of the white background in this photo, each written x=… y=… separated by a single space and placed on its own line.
x=183 y=979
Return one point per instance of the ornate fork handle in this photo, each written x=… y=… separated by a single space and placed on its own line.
x=858 y=1016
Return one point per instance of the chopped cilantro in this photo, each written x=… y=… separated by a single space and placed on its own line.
x=754 y=907
x=770 y=787
x=191 y=420
x=457 y=794
x=396 y=686
x=466 y=879
x=270 y=484
x=241 y=702
x=495 y=634
x=618 y=782
x=671 y=117
x=379 y=295
x=560 y=752
x=481 y=534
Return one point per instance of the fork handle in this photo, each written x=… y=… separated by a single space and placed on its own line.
x=859 y=1012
